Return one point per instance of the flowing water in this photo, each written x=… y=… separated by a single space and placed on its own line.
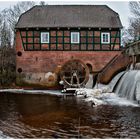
x=46 y=116
x=38 y=114
x=129 y=85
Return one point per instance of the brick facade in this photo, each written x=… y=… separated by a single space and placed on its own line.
x=42 y=67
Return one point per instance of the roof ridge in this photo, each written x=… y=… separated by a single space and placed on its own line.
x=70 y=5
x=69 y=16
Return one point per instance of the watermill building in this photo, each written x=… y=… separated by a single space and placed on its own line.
x=60 y=42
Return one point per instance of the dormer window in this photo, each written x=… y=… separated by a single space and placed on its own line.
x=75 y=37
x=105 y=38
x=45 y=37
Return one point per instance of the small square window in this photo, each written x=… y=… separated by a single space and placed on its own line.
x=75 y=37
x=105 y=37
x=45 y=37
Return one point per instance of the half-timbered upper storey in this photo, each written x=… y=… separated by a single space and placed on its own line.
x=70 y=28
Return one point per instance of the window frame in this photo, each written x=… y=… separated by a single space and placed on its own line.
x=42 y=33
x=102 y=40
x=72 y=42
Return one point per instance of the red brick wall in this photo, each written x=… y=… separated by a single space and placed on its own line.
x=44 y=61
x=36 y=65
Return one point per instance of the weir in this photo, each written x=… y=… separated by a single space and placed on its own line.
x=125 y=84
x=130 y=56
x=129 y=84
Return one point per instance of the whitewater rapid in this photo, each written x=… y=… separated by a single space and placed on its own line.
x=2 y=136
x=102 y=97
x=129 y=85
x=103 y=94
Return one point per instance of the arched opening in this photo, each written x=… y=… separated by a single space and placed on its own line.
x=89 y=67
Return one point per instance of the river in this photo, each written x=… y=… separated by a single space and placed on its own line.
x=47 y=116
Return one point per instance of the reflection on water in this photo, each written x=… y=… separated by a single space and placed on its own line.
x=44 y=116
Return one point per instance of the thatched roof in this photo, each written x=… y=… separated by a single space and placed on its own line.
x=94 y=16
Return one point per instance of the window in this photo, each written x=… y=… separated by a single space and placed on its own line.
x=105 y=38
x=45 y=37
x=75 y=37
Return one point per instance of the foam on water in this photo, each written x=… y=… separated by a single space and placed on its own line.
x=102 y=97
x=112 y=84
x=103 y=94
x=50 y=92
x=90 y=81
x=2 y=136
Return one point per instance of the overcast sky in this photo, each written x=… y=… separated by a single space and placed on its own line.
x=121 y=7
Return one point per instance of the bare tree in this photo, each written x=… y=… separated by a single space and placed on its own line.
x=14 y=12
x=11 y=15
x=5 y=32
x=0 y=27
x=42 y=3
x=5 y=36
x=8 y=20
x=134 y=28
x=0 y=20
x=135 y=8
x=126 y=37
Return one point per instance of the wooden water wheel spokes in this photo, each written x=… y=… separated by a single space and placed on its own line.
x=74 y=73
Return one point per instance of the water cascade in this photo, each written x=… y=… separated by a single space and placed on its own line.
x=104 y=94
x=89 y=84
x=129 y=85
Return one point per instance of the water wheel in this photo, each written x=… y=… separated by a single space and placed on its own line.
x=74 y=73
